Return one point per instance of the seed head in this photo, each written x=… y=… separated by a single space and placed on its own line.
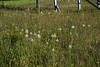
x=26 y=31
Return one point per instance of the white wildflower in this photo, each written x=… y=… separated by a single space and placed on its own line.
x=22 y=29
x=16 y=27
x=98 y=62
x=70 y=33
x=34 y=34
x=57 y=40
x=26 y=31
x=26 y=35
x=67 y=16
x=73 y=27
x=38 y=31
x=77 y=34
x=53 y=49
x=53 y=35
x=70 y=46
x=28 y=9
x=30 y=32
x=32 y=40
x=25 y=13
x=20 y=32
x=88 y=25
x=60 y=29
x=47 y=43
x=48 y=12
x=13 y=24
x=83 y=25
x=39 y=36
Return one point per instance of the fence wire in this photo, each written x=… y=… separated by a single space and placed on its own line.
x=45 y=4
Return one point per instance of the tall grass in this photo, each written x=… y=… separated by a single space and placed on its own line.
x=69 y=38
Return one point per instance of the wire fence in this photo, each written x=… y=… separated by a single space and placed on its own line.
x=45 y=4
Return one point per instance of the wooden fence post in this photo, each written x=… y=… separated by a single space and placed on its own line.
x=38 y=4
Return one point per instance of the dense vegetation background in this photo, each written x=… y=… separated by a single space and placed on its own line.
x=45 y=38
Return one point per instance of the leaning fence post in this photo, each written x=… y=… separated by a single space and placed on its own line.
x=56 y=6
x=38 y=4
x=79 y=4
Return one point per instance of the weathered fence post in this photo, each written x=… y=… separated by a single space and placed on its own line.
x=98 y=3
x=79 y=4
x=56 y=8
x=38 y=4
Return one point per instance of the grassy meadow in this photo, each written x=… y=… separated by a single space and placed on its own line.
x=69 y=38
x=16 y=2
